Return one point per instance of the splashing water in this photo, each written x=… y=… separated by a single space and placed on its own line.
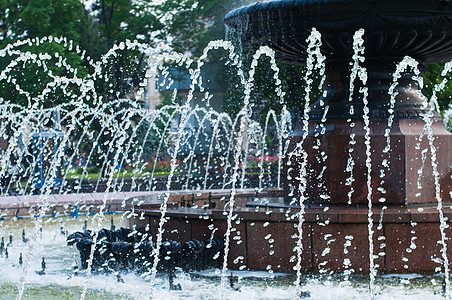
x=314 y=44
x=119 y=133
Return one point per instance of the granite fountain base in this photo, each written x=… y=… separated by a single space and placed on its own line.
x=335 y=238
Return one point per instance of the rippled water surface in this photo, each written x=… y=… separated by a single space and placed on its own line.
x=59 y=282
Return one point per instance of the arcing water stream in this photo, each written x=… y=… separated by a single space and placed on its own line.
x=101 y=144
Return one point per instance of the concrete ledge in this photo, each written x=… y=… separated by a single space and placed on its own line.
x=336 y=240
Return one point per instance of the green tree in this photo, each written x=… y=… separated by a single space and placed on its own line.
x=192 y=24
x=433 y=77
x=36 y=19
x=117 y=21
x=95 y=30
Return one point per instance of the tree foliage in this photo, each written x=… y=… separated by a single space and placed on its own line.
x=188 y=25
x=192 y=24
x=117 y=21
x=433 y=77
x=93 y=29
x=36 y=19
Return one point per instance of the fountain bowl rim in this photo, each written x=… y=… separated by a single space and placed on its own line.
x=274 y=4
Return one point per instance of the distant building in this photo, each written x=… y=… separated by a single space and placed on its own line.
x=182 y=82
x=151 y=98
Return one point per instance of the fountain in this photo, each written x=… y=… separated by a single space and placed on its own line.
x=64 y=169
x=421 y=32
x=360 y=194
x=361 y=186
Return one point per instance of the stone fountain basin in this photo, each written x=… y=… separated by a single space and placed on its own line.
x=421 y=29
x=406 y=239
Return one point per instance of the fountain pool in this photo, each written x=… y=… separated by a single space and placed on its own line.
x=338 y=202
x=59 y=281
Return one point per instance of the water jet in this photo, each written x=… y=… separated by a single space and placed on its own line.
x=360 y=186
x=355 y=188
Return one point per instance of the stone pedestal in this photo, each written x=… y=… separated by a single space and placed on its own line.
x=334 y=241
x=336 y=149
x=402 y=176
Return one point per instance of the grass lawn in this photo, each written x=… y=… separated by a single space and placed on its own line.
x=122 y=174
